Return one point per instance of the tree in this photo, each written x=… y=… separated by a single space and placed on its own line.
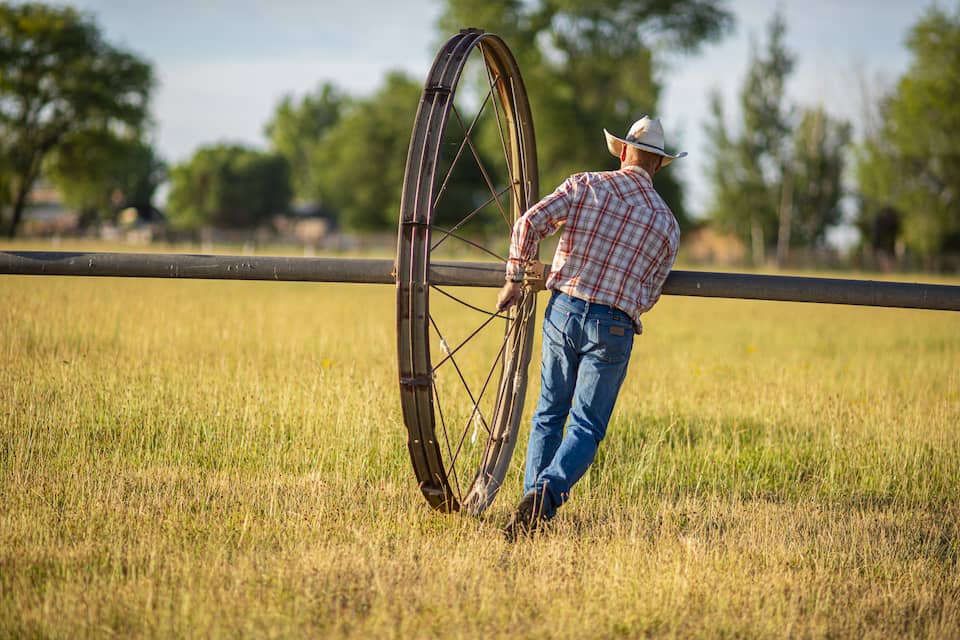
x=59 y=78
x=777 y=178
x=585 y=69
x=912 y=163
x=816 y=174
x=99 y=173
x=145 y=172
x=359 y=163
x=748 y=167
x=228 y=186
x=298 y=128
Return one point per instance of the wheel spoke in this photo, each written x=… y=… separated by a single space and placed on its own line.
x=483 y=169
x=469 y=216
x=446 y=438
x=463 y=380
x=467 y=304
x=475 y=402
x=491 y=81
x=463 y=144
x=465 y=341
x=521 y=149
x=483 y=391
x=468 y=241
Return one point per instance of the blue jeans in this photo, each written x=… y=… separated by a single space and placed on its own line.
x=586 y=349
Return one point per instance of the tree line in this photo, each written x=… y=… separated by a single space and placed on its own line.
x=75 y=109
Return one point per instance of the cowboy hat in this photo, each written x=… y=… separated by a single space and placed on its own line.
x=645 y=134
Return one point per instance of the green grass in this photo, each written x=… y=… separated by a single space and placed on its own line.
x=222 y=459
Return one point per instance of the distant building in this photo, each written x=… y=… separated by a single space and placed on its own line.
x=705 y=245
x=45 y=212
x=308 y=224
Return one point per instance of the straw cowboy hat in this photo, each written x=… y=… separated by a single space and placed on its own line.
x=646 y=134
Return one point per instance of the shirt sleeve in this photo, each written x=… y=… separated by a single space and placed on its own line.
x=668 y=257
x=541 y=220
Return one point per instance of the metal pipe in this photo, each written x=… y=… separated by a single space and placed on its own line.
x=871 y=293
x=204 y=267
x=468 y=274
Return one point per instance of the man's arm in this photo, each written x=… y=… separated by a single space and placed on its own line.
x=669 y=256
x=541 y=220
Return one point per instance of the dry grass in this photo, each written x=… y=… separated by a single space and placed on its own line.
x=223 y=459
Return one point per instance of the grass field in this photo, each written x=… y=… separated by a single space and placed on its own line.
x=223 y=459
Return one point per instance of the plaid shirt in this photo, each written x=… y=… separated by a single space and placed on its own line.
x=618 y=244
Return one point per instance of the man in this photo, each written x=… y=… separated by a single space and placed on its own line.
x=618 y=244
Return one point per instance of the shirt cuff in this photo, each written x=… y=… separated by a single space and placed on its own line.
x=515 y=271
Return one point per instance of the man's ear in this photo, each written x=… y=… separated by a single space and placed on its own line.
x=623 y=153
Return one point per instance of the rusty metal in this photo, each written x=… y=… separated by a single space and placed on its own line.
x=438 y=475
x=535 y=276
x=870 y=293
x=874 y=293
x=205 y=267
x=224 y=267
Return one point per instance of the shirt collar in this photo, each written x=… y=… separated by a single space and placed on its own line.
x=639 y=170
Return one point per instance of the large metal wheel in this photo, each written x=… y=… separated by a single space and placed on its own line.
x=463 y=367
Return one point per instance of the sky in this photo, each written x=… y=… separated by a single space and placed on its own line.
x=223 y=65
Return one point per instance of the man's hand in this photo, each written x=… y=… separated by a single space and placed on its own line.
x=509 y=295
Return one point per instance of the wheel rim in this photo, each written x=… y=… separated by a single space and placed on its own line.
x=462 y=382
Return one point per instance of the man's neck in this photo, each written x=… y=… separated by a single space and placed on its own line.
x=625 y=166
